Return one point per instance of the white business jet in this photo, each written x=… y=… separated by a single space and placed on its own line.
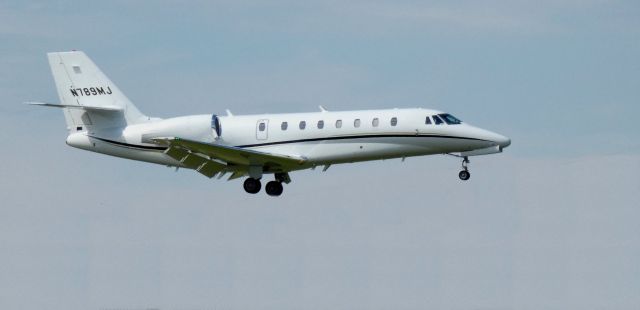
x=101 y=119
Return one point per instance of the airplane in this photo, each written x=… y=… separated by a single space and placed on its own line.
x=101 y=119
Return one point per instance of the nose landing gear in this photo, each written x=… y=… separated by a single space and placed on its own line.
x=464 y=174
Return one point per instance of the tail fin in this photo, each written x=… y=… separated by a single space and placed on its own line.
x=89 y=99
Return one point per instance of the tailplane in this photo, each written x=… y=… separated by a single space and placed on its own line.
x=90 y=100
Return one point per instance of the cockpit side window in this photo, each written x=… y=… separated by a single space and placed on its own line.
x=437 y=120
x=450 y=119
x=427 y=121
x=215 y=125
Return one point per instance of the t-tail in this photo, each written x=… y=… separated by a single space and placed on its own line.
x=90 y=101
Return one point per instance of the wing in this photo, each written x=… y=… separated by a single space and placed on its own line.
x=211 y=159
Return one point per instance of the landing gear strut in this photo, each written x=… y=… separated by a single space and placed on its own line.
x=464 y=174
x=252 y=186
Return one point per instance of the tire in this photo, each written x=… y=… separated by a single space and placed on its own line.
x=252 y=186
x=274 y=188
x=464 y=175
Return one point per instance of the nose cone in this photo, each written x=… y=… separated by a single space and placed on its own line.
x=491 y=137
x=502 y=141
x=488 y=138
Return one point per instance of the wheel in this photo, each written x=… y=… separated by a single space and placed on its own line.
x=464 y=175
x=252 y=186
x=273 y=188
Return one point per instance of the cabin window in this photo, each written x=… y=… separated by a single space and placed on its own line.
x=339 y=123
x=356 y=123
x=437 y=120
x=303 y=125
x=262 y=127
x=427 y=121
x=320 y=124
x=375 y=122
x=394 y=121
x=284 y=126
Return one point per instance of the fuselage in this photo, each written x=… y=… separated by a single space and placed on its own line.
x=321 y=138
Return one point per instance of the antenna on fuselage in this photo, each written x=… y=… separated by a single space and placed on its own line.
x=229 y=113
x=322 y=109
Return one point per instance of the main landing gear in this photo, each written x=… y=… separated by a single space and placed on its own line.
x=273 y=188
x=464 y=174
x=252 y=186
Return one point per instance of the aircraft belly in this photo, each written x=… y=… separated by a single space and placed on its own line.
x=316 y=152
x=146 y=155
x=353 y=150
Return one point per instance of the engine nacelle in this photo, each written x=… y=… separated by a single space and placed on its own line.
x=196 y=127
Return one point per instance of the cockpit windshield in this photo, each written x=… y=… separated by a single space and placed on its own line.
x=450 y=119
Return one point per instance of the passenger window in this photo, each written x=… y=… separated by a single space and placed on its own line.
x=284 y=126
x=394 y=121
x=437 y=120
x=303 y=125
x=339 y=123
x=356 y=123
x=427 y=121
x=320 y=124
x=262 y=127
x=375 y=122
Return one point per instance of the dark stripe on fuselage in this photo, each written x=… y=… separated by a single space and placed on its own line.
x=161 y=148
x=359 y=137
x=135 y=146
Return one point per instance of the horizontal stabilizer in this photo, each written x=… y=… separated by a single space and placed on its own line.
x=74 y=106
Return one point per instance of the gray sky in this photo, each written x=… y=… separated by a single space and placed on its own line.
x=550 y=224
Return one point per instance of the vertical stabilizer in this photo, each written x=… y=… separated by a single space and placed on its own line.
x=81 y=83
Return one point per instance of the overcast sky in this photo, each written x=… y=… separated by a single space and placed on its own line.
x=552 y=223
